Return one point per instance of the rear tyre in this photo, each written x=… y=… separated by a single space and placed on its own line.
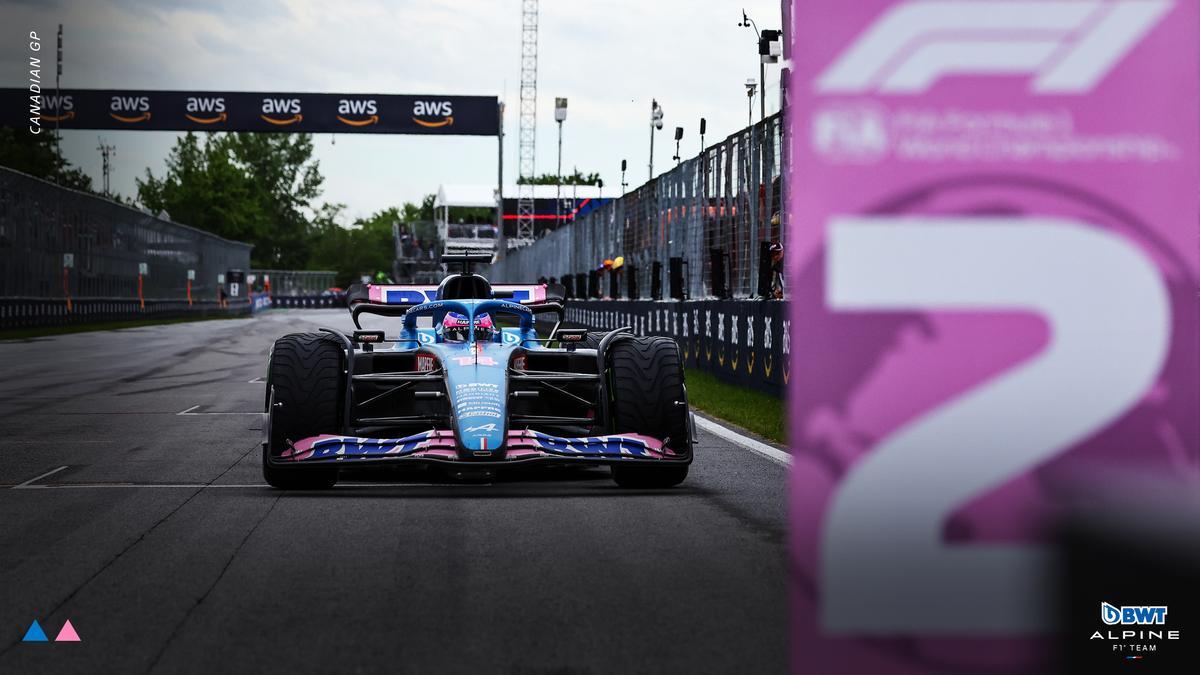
x=648 y=397
x=304 y=398
x=593 y=338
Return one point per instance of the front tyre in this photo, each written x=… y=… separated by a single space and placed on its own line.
x=305 y=386
x=649 y=398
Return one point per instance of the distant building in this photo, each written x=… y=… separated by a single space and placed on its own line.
x=479 y=234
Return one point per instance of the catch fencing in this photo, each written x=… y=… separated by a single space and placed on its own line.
x=57 y=243
x=706 y=221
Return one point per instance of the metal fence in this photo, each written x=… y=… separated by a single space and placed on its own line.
x=711 y=213
x=292 y=282
x=40 y=222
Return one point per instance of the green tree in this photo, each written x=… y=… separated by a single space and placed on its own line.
x=36 y=155
x=257 y=188
x=575 y=178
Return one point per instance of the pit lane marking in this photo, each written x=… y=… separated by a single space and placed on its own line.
x=30 y=483
x=774 y=454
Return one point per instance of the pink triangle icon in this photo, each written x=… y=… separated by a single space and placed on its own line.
x=67 y=634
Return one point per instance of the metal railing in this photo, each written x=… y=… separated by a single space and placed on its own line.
x=292 y=282
x=711 y=212
x=40 y=222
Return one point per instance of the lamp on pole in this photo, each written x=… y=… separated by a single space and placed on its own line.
x=656 y=117
x=560 y=115
x=678 y=137
x=750 y=85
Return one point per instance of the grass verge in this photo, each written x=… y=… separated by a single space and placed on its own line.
x=752 y=410
x=24 y=333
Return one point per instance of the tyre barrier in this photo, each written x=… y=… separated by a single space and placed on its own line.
x=46 y=312
x=307 y=301
x=742 y=342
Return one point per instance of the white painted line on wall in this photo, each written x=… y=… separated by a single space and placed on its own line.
x=774 y=454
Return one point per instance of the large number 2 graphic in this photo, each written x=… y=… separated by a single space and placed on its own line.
x=885 y=566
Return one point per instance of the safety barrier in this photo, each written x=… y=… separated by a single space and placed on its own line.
x=705 y=222
x=742 y=342
x=307 y=301
x=43 y=312
x=58 y=243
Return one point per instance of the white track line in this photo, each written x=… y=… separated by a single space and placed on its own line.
x=29 y=483
x=189 y=412
x=774 y=454
x=205 y=486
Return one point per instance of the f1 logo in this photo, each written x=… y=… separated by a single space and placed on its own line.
x=1067 y=46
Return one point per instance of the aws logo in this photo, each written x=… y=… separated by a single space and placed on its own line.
x=129 y=109
x=274 y=108
x=359 y=108
x=426 y=109
x=63 y=107
x=205 y=110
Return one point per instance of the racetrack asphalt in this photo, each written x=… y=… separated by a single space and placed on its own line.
x=165 y=550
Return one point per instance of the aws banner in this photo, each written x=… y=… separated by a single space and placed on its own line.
x=248 y=111
x=993 y=285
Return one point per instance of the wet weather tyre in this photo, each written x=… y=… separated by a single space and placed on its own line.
x=649 y=398
x=593 y=338
x=305 y=385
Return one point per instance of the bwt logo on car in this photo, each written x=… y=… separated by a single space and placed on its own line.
x=1068 y=46
x=443 y=109
x=130 y=109
x=368 y=108
x=1133 y=614
x=272 y=107
x=211 y=110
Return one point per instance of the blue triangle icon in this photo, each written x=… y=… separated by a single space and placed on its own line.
x=35 y=633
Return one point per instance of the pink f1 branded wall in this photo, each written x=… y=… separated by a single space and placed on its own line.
x=994 y=267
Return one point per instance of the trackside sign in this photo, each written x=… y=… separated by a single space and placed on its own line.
x=250 y=111
x=994 y=268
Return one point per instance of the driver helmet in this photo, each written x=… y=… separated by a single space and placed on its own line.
x=455 y=327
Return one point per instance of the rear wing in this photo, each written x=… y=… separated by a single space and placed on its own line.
x=414 y=294
x=395 y=299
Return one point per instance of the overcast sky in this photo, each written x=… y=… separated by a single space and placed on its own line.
x=608 y=57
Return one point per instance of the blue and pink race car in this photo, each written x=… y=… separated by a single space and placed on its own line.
x=468 y=382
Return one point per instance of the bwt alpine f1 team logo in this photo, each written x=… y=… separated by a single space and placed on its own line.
x=443 y=111
x=1134 y=614
x=1066 y=46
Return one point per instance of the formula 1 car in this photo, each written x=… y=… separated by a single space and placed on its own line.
x=469 y=384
